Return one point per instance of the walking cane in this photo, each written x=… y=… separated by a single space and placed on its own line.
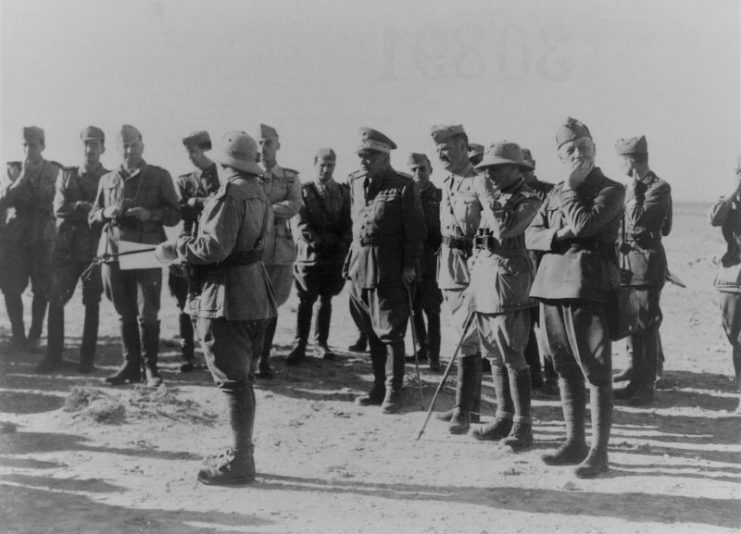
x=466 y=325
x=410 y=300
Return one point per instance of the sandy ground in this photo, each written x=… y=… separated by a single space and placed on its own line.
x=325 y=465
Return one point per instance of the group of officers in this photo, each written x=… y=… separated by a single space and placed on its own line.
x=527 y=269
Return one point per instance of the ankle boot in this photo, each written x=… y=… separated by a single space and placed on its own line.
x=55 y=341
x=644 y=393
x=521 y=435
x=638 y=356
x=89 y=337
x=264 y=370
x=361 y=343
x=627 y=373
x=394 y=377
x=601 y=414
x=298 y=354
x=238 y=465
x=38 y=311
x=460 y=422
x=321 y=329
x=501 y=426
x=150 y=337
x=14 y=307
x=574 y=449
x=130 y=371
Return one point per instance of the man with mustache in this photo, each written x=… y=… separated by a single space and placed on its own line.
x=577 y=229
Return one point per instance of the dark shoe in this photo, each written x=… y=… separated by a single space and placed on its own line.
x=520 y=437
x=594 y=464
x=228 y=470
x=324 y=352
x=391 y=401
x=460 y=422
x=494 y=431
x=360 y=345
x=126 y=373
x=47 y=365
x=434 y=365
x=297 y=355
x=569 y=453
x=373 y=398
x=265 y=371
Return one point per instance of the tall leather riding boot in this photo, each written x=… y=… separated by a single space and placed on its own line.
x=303 y=326
x=263 y=369
x=321 y=328
x=38 y=311
x=54 y=342
x=378 y=364
x=574 y=449
x=150 y=337
x=638 y=344
x=394 y=377
x=14 y=306
x=521 y=435
x=647 y=378
x=532 y=357
x=130 y=371
x=501 y=426
x=89 y=337
x=627 y=373
x=187 y=342
x=464 y=393
x=600 y=404
x=476 y=398
x=239 y=465
x=433 y=339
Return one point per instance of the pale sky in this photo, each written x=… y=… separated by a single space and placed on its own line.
x=317 y=70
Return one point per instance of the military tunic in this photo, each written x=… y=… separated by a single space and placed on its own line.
x=460 y=216
x=576 y=274
x=726 y=213
x=233 y=298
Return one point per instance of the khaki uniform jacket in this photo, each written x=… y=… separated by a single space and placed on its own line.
x=237 y=219
x=75 y=193
x=149 y=187
x=502 y=272
x=388 y=229
x=283 y=188
x=323 y=227
x=584 y=266
x=29 y=202
x=460 y=216
x=648 y=217
x=726 y=213
x=199 y=184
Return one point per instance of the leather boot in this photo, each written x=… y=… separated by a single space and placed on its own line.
x=361 y=343
x=600 y=401
x=130 y=371
x=54 y=342
x=187 y=343
x=433 y=340
x=574 y=449
x=14 y=306
x=321 y=329
x=150 y=337
x=638 y=346
x=501 y=426
x=647 y=380
x=460 y=422
x=394 y=377
x=38 y=311
x=476 y=399
x=627 y=373
x=521 y=435
x=297 y=354
x=378 y=363
x=264 y=370
x=238 y=465
x=89 y=337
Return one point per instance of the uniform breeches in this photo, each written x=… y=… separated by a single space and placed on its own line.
x=134 y=293
x=281 y=279
x=578 y=339
x=20 y=262
x=503 y=337
x=382 y=311
x=458 y=305
x=647 y=314
x=230 y=349
x=313 y=281
x=64 y=280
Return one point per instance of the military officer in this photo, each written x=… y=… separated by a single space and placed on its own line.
x=134 y=203
x=283 y=188
x=75 y=248
x=501 y=277
x=28 y=237
x=648 y=215
x=323 y=230
x=576 y=228
x=427 y=295
x=388 y=233
x=193 y=190
x=231 y=300
x=460 y=216
x=536 y=344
